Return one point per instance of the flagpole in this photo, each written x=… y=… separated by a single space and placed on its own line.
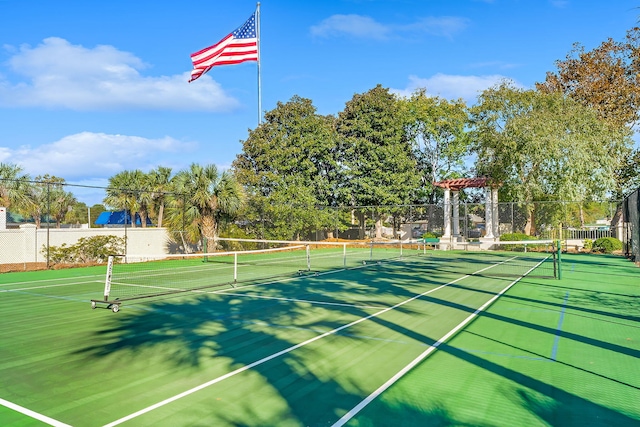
x=259 y=80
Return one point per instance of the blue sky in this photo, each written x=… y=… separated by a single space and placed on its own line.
x=88 y=89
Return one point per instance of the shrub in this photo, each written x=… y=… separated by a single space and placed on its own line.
x=429 y=235
x=607 y=245
x=588 y=244
x=87 y=250
x=516 y=237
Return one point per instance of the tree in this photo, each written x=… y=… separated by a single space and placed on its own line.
x=61 y=203
x=159 y=183
x=128 y=190
x=48 y=199
x=437 y=129
x=544 y=146
x=379 y=166
x=80 y=213
x=203 y=197
x=628 y=174
x=14 y=186
x=606 y=79
x=289 y=166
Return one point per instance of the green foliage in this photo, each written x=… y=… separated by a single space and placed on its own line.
x=540 y=144
x=437 y=129
x=203 y=198
x=380 y=168
x=588 y=244
x=607 y=245
x=14 y=187
x=429 y=235
x=87 y=250
x=545 y=146
x=289 y=166
x=516 y=237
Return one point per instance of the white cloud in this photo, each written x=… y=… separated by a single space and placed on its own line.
x=364 y=27
x=451 y=86
x=90 y=154
x=445 y=26
x=59 y=74
x=351 y=25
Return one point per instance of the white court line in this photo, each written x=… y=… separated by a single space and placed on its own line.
x=32 y=414
x=349 y=415
x=26 y=282
x=280 y=353
x=49 y=286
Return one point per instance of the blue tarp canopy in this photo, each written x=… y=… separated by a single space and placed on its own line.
x=118 y=218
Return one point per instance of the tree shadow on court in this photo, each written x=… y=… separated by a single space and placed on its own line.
x=554 y=405
x=315 y=384
x=552 y=331
x=619 y=306
x=242 y=331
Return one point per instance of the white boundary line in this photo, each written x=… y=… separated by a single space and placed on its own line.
x=285 y=351
x=99 y=277
x=51 y=286
x=32 y=414
x=349 y=415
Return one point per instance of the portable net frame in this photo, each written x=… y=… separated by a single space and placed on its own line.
x=134 y=277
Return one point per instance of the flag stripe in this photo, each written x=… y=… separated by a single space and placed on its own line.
x=232 y=50
x=239 y=46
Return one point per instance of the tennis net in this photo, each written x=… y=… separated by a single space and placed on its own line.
x=134 y=277
x=532 y=258
x=246 y=261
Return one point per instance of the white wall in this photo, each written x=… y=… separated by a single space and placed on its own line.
x=26 y=244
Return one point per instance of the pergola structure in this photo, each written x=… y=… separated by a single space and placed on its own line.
x=453 y=187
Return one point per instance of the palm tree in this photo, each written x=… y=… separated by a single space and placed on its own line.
x=203 y=198
x=15 y=186
x=123 y=190
x=39 y=197
x=61 y=204
x=160 y=184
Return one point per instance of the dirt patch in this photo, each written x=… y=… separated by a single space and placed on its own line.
x=37 y=266
x=23 y=266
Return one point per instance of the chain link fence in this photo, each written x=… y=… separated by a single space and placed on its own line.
x=631 y=239
x=39 y=218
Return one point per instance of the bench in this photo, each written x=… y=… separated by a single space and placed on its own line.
x=431 y=241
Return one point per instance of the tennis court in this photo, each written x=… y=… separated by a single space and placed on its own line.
x=435 y=338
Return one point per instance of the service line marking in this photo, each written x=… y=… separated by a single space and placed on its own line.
x=33 y=414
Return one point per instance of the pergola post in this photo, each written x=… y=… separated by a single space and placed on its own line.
x=488 y=213
x=456 y=214
x=496 y=213
x=446 y=233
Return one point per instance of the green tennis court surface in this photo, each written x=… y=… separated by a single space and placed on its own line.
x=413 y=341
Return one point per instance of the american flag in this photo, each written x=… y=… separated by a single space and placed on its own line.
x=239 y=46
